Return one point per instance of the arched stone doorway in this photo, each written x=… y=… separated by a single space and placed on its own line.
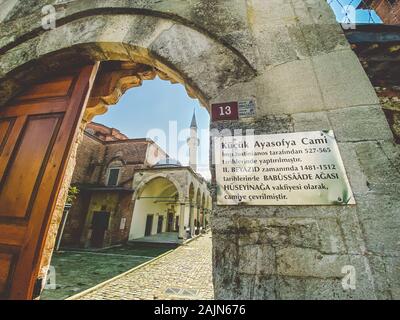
x=302 y=81
x=141 y=60
x=156 y=209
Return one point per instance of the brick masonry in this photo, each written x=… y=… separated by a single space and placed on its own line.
x=101 y=147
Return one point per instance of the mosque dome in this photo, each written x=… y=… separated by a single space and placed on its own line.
x=168 y=163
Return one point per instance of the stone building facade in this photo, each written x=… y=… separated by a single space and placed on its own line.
x=184 y=196
x=103 y=148
x=112 y=174
x=293 y=58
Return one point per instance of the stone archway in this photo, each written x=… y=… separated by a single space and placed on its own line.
x=143 y=183
x=168 y=49
x=154 y=197
x=297 y=64
x=174 y=49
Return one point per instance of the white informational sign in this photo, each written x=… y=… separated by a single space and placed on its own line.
x=122 y=224
x=303 y=168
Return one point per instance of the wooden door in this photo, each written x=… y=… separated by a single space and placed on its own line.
x=100 y=222
x=37 y=130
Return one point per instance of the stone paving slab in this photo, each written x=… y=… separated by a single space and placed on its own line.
x=76 y=271
x=183 y=274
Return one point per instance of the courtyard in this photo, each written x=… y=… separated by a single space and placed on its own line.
x=183 y=274
x=77 y=271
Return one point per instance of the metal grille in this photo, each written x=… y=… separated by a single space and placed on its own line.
x=366 y=11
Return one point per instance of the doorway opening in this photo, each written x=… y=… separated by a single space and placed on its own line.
x=149 y=225
x=132 y=190
x=170 y=47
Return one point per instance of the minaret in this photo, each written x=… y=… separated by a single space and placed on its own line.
x=193 y=143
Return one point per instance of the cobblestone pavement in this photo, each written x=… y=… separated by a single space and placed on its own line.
x=184 y=274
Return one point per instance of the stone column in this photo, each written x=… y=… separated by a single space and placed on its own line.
x=194 y=218
x=182 y=213
x=204 y=217
x=187 y=216
x=310 y=79
x=198 y=218
x=201 y=216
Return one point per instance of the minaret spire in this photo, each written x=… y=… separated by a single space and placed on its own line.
x=193 y=125
x=193 y=143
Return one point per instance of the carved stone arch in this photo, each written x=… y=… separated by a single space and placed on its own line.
x=115 y=159
x=174 y=51
x=30 y=28
x=148 y=179
x=116 y=77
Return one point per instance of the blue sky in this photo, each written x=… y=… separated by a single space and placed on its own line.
x=153 y=106
x=362 y=16
x=157 y=102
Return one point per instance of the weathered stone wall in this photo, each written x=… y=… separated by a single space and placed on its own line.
x=390 y=101
x=118 y=205
x=78 y=230
x=133 y=155
x=311 y=80
x=93 y=159
x=292 y=57
x=60 y=205
x=90 y=153
x=75 y=222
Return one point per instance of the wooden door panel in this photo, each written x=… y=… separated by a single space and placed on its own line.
x=5 y=129
x=60 y=87
x=36 y=134
x=12 y=235
x=10 y=142
x=39 y=108
x=35 y=142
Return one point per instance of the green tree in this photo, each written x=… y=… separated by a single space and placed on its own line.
x=73 y=193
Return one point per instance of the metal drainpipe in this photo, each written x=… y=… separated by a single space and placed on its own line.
x=65 y=217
